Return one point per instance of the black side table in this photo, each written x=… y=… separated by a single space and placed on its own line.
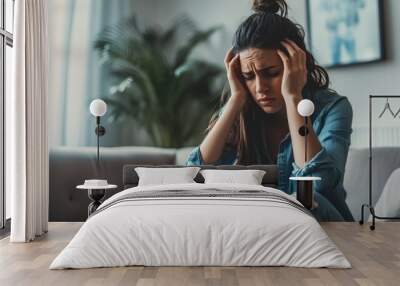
x=96 y=194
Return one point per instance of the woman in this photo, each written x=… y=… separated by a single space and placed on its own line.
x=269 y=71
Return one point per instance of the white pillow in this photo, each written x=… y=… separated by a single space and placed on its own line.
x=248 y=177
x=162 y=176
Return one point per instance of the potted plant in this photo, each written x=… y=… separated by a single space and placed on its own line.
x=157 y=83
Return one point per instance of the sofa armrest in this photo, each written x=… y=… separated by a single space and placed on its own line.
x=70 y=166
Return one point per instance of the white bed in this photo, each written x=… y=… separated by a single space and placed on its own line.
x=269 y=228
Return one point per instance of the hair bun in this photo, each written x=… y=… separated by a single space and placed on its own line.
x=270 y=6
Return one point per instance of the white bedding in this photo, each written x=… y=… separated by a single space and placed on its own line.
x=223 y=231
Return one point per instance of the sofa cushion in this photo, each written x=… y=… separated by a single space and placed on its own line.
x=356 y=178
x=182 y=154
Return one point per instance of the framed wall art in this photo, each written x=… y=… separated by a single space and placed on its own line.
x=345 y=32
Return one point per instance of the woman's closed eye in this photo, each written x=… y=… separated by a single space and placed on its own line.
x=267 y=73
x=248 y=76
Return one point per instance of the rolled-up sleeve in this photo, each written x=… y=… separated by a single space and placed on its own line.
x=194 y=157
x=329 y=163
x=228 y=157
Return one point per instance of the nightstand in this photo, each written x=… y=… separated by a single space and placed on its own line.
x=96 y=194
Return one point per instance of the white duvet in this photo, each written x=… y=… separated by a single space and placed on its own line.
x=190 y=231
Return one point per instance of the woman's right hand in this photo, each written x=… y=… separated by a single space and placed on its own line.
x=213 y=145
x=236 y=84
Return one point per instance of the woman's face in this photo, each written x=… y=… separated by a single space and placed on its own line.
x=262 y=70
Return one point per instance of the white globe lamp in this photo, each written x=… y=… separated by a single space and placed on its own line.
x=98 y=108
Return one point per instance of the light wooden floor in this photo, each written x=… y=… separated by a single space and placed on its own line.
x=375 y=257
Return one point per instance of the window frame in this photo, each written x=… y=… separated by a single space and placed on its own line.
x=6 y=39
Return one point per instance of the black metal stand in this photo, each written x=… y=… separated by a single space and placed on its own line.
x=369 y=205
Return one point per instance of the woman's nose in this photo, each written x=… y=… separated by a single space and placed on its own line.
x=262 y=85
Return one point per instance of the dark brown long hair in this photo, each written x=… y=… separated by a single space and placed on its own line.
x=266 y=28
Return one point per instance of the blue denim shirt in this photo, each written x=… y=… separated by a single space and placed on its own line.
x=332 y=121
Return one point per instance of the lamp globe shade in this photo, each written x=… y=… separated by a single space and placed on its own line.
x=305 y=107
x=98 y=107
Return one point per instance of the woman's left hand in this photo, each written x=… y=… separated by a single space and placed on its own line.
x=295 y=70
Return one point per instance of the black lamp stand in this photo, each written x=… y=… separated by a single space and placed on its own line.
x=100 y=131
x=96 y=195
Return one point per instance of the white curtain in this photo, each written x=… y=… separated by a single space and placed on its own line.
x=26 y=145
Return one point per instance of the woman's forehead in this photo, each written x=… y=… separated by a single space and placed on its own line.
x=258 y=58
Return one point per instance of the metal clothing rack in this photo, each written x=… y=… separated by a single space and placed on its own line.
x=369 y=205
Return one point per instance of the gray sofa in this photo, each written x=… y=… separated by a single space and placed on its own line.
x=70 y=166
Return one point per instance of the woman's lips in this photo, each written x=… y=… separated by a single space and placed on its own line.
x=266 y=101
